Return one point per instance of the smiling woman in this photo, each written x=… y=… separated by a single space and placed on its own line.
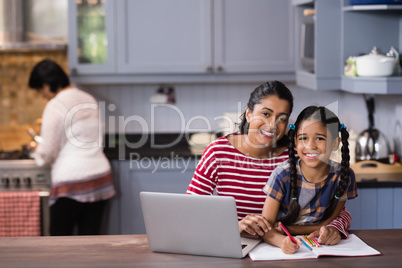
x=267 y=125
x=239 y=164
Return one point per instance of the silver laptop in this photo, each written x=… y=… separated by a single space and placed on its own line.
x=194 y=224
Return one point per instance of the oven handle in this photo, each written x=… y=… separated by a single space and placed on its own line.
x=44 y=193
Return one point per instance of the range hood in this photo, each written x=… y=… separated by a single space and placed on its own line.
x=13 y=33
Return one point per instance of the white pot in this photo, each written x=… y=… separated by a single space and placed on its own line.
x=374 y=65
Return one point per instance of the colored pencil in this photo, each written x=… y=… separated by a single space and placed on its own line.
x=307 y=246
x=315 y=240
x=286 y=231
x=311 y=241
x=308 y=241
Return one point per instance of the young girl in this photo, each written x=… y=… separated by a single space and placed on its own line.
x=311 y=188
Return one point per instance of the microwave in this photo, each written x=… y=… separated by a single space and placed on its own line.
x=307 y=46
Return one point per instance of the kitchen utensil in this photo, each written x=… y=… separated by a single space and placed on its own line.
x=35 y=137
x=200 y=141
x=375 y=64
x=394 y=54
x=371 y=144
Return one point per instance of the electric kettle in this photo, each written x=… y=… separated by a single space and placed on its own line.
x=371 y=144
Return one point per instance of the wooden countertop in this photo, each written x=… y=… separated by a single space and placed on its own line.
x=133 y=251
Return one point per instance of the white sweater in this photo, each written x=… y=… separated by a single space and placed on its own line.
x=72 y=137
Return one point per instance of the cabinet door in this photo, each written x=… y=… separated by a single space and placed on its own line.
x=376 y=208
x=91 y=37
x=158 y=36
x=149 y=174
x=253 y=36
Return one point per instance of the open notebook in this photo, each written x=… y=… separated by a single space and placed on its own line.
x=351 y=247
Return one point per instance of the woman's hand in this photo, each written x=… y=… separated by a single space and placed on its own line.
x=327 y=235
x=288 y=247
x=254 y=225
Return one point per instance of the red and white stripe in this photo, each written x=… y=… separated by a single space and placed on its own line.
x=231 y=173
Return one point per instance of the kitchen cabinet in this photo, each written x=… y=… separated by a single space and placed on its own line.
x=253 y=37
x=326 y=44
x=165 y=37
x=376 y=208
x=91 y=32
x=145 y=174
x=363 y=28
x=190 y=41
x=342 y=30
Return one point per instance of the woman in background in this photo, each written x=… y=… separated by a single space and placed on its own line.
x=240 y=164
x=81 y=174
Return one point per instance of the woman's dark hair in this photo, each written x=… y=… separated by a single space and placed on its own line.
x=48 y=72
x=270 y=88
x=331 y=122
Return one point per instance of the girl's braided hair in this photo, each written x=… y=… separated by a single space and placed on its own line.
x=331 y=121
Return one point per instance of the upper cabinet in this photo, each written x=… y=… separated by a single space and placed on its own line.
x=181 y=40
x=253 y=36
x=338 y=30
x=164 y=37
x=91 y=34
x=318 y=44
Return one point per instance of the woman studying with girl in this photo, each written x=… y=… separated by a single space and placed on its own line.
x=240 y=164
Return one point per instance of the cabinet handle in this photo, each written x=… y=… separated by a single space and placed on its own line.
x=309 y=12
x=219 y=68
x=210 y=69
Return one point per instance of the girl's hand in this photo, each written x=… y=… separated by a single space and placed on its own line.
x=327 y=235
x=254 y=225
x=278 y=228
x=288 y=247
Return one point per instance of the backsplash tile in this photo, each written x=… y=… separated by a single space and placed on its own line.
x=20 y=106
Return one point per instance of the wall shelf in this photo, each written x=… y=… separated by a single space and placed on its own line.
x=373 y=85
x=302 y=2
x=312 y=81
x=372 y=7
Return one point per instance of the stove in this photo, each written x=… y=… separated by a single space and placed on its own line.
x=24 y=174
x=13 y=155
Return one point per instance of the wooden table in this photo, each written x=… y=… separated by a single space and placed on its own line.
x=133 y=251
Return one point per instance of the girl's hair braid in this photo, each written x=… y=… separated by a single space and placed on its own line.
x=344 y=173
x=294 y=207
